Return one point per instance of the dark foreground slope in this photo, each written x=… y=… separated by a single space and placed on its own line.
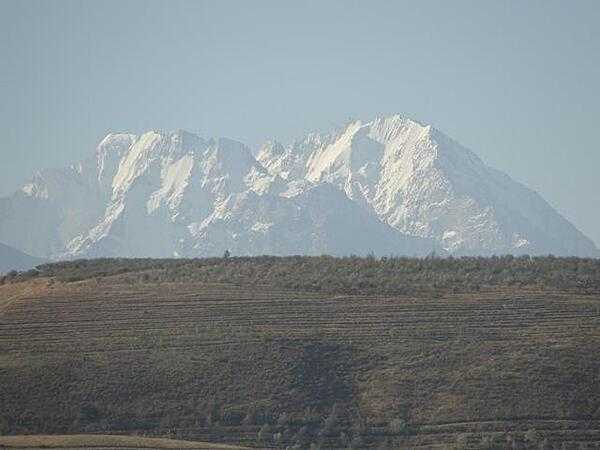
x=338 y=353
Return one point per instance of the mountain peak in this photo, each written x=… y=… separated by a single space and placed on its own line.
x=116 y=141
x=423 y=183
x=183 y=141
x=392 y=183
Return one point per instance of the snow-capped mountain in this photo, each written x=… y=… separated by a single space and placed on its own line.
x=390 y=186
x=176 y=194
x=422 y=183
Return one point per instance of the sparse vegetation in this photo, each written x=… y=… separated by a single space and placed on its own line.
x=389 y=275
x=229 y=351
x=90 y=441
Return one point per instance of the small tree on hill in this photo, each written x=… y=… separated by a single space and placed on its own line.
x=486 y=443
x=532 y=437
x=3 y=426
x=385 y=445
x=357 y=443
x=264 y=434
x=331 y=421
x=396 y=426
x=283 y=420
x=250 y=417
x=344 y=440
x=462 y=442
x=302 y=437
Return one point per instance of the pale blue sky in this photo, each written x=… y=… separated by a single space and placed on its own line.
x=517 y=82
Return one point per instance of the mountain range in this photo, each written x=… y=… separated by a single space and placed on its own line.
x=13 y=259
x=390 y=186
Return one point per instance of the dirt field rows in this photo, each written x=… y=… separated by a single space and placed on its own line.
x=189 y=315
x=83 y=441
x=481 y=364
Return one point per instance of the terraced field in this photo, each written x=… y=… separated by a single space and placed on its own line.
x=85 y=317
x=217 y=361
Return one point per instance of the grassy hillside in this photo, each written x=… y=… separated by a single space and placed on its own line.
x=334 y=353
x=345 y=275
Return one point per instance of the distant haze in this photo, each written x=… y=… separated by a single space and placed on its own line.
x=515 y=81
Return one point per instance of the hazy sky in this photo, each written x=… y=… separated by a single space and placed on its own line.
x=517 y=82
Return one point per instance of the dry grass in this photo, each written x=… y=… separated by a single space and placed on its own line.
x=161 y=357
x=104 y=441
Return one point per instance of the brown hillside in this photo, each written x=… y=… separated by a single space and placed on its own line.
x=81 y=441
x=434 y=368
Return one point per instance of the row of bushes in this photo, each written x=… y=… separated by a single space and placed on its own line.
x=349 y=274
